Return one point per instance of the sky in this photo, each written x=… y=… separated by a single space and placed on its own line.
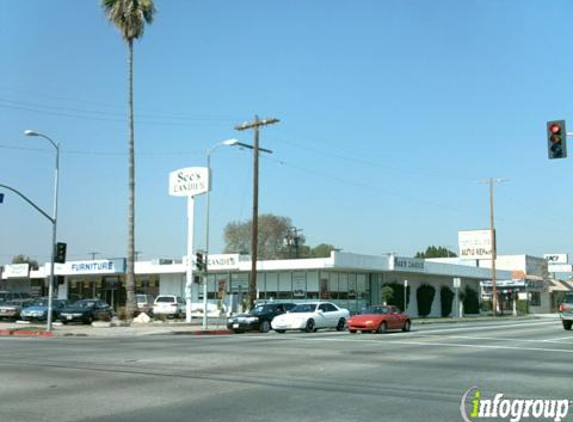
x=392 y=115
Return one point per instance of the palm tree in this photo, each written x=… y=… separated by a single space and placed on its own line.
x=130 y=17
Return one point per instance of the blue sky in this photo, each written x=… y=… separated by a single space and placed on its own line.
x=392 y=112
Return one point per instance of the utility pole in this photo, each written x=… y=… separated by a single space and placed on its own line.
x=293 y=240
x=494 y=302
x=93 y=254
x=255 y=125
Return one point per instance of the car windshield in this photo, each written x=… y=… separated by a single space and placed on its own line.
x=261 y=309
x=40 y=302
x=375 y=310
x=304 y=307
x=3 y=296
x=84 y=304
x=568 y=299
x=165 y=299
x=141 y=299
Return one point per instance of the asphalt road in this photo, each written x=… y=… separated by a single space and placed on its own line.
x=324 y=376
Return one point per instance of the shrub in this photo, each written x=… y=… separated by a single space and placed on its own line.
x=471 y=301
x=447 y=299
x=397 y=298
x=425 y=295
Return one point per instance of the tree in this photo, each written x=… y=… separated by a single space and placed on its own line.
x=130 y=17
x=321 y=250
x=387 y=294
x=436 y=252
x=271 y=236
x=22 y=259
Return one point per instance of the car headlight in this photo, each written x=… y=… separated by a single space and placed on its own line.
x=230 y=320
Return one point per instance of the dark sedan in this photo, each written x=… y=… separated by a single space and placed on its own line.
x=259 y=318
x=86 y=311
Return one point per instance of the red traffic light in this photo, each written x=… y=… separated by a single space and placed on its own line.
x=555 y=128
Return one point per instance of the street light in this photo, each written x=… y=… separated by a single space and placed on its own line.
x=54 y=221
x=228 y=142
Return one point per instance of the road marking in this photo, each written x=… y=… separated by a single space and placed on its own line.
x=483 y=327
x=461 y=345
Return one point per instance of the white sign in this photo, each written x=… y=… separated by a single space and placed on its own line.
x=189 y=181
x=560 y=268
x=457 y=282
x=475 y=244
x=17 y=270
x=556 y=258
x=101 y=266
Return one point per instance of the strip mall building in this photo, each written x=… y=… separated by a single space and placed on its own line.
x=350 y=280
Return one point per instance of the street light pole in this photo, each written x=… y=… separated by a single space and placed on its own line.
x=228 y=142
x=54 y=224
x=256 y=124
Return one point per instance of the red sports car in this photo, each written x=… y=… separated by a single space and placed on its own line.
x=379 y=319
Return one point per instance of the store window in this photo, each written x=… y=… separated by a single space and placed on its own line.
x=285 y=286
x=272 y=286
x=299 y=285
x=312 y=285
x=535 y=299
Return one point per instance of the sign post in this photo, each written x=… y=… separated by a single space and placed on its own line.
x=405 y=295
x=189 y=182
x=457 y=285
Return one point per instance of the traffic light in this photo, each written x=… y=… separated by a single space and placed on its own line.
x=556 y=139
x=60 y=253
x=200 y=261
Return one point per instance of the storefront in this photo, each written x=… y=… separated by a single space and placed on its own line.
x=350 y=280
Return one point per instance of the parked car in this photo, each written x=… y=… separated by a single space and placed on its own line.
x=169 y=305
x=38 y=310
x=20 y=298
x=566 y=311
x=86 y=311
x=310 y=317
x=144 y=303
x=379 y=319
x=11 y=303
x=259 y=318
x=10 y=310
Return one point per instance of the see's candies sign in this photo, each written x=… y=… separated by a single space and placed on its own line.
x=189 y=181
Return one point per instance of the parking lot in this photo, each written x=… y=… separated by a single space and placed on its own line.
x=328 y=375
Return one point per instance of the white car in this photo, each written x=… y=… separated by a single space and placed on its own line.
x=310 y=317
x=169 y=305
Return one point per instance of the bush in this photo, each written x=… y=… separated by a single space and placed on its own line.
x=471 y=301
x=447 y=299
x=397 y=298
x=425 y=295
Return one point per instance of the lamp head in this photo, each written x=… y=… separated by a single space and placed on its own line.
x=230 y=142
x=29 y=132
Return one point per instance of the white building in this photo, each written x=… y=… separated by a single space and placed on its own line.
x=350 y=280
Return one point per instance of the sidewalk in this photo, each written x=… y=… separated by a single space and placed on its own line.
x=114 y=328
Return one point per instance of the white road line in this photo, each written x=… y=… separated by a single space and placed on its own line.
x=460 y=345
x=483 y=327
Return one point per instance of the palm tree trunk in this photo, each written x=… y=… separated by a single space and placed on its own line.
x=130 y=279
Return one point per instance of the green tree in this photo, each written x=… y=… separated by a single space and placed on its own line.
x=271 y=236
x=387 y=294
x=130 y=17
x=436 y=252
x=23 y=259
x=321 y=250
x=446 y=299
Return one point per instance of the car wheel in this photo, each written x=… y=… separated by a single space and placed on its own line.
x=567 y=325
x=265 y=327
x=352 y=331
x=309 y=326
x=281 y=331
x=341 y=324
x=382 y=328
x=407 y=326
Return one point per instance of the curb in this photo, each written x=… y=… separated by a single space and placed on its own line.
x=26 y=333
x=203 y=333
